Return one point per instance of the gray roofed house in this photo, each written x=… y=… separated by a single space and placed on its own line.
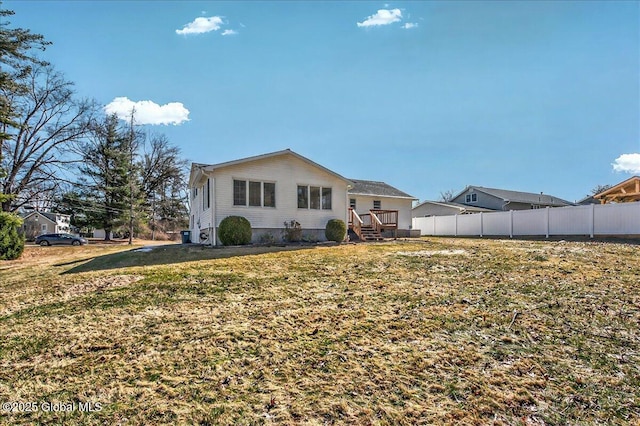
x=38 y=223
x=504 y=200
x=444 y=208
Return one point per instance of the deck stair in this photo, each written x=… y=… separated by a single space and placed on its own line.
x=370 y=234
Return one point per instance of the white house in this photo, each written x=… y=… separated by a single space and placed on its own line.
x=38 y=223
x=278 y=187
x=267 y=190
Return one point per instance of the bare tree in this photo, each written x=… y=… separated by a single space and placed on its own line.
x=447 y=195
x=163 y=181
x=51 y=122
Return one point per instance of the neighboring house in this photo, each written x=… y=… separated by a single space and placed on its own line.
x=366 y=196
x=624 y=192
x=38 y=223
x=267 y=190
x=587 y=200
x=444 y=208
x=504 y=200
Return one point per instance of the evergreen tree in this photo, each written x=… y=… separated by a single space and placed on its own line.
x=106 y=173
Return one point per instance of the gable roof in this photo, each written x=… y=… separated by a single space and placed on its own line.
x=520 y=197
x=46 y=215
x=625 y=191
x=461 y=207
x=212 y=167
x=382 y=189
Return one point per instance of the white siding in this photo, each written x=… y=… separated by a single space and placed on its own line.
x=364 y=203
x=287 y=172
x=202 y=218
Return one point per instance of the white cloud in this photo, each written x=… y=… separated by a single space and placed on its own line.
x=229 y=32
x=629 y=163
x=409 y=25
x=382 y=17
x=201 y=25
x=148 y=112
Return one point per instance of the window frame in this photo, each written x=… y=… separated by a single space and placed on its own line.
x=248 y=192
x=311 y=191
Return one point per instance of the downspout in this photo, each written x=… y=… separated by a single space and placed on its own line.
x=506 y=203
x=213 y=211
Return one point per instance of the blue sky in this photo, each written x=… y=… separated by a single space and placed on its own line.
x=427 y=96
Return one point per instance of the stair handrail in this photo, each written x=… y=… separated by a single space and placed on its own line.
x=355 y=222
x=375 y=221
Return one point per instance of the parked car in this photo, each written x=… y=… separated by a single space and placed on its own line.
x=53 y=239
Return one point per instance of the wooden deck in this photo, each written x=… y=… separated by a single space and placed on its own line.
x=369 y=226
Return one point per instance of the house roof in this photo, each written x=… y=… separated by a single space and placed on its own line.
x=48 y=215
x=520 y=197
x=461 y=207
x=625 y=191
x=382 y=189
x=212 y=167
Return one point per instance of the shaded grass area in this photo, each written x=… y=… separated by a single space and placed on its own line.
x=167 y=254
x=423 y=332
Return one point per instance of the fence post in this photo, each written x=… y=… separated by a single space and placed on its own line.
x=510 y=223
x=434 y=225
x=593 y=221
x=547 y=235
x=456 y=228
x=481 y=226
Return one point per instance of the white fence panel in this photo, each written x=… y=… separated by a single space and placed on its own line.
x=496 y=223
x=445 y=225
x=571 y=220
x=616 y=219
x=609 y=219
x=424 y=224
x=469 y=224
x=530 y=222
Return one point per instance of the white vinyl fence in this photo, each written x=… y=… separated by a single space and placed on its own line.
x=591 y=220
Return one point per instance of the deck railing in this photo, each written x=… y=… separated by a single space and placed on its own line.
x=386 y=218
x=376 y=219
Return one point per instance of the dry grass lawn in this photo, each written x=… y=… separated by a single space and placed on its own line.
x=432 y=331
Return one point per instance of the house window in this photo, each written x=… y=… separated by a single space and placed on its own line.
x=314 y=197
x=255 y=194
x=44 y=227
x=194 y=193
x=239 y=192
x=303 y=197
x=377 y=204
x=352 y=203
x=269 y=194
x=471 y=198
x=326 y=198
x=207 y=195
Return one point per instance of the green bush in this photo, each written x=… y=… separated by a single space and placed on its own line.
x=335 y=230
x=11 y=242
x=234 y=231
